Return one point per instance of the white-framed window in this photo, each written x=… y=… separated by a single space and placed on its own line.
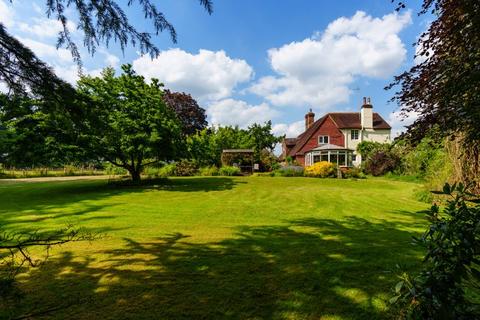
x=354 y=134
x=322 y=139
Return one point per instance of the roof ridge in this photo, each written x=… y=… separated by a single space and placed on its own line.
x=344 y=112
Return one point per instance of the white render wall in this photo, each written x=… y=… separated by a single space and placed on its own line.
x=382 y=136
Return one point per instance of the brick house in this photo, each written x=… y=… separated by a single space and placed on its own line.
x=335 y=136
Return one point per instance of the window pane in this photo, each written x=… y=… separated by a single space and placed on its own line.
x=333 y=157
x=341 y=159
x=316 y=159
x=349 y=159
x=322 y=139
x=324 y=156
x=354 y=134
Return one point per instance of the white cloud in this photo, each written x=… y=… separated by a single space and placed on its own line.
x=47 y=51
x=61 y=60
x=237 y=112
x=317 y=71
x=207 y=75
x=399 y=121
x=110 y=60
x=6 y=14
x=45 y=28
x=291 y=130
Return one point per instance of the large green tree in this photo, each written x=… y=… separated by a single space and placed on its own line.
x=262 y=138
x=127 y=122
x=33 y=133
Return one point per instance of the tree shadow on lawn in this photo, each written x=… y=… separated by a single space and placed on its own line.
x=304 y=270
x=38 y=200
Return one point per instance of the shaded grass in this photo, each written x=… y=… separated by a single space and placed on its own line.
x=217 y=248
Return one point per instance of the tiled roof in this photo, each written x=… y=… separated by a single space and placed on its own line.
x=304 y=137
x=351 y=120
x=290 y=141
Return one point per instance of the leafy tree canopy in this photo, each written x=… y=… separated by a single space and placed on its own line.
x=128 y=123
x=35 y=133
x=190 y=114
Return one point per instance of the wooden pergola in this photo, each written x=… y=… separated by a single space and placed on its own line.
x=241 y=158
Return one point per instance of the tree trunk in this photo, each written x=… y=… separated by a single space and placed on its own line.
x=135 y=176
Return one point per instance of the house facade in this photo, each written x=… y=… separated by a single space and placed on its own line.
x=335 y=136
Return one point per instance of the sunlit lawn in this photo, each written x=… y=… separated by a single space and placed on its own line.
x=217 y=248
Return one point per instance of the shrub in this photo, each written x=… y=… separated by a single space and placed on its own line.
x=354 y=172
x=382 y=162
x=275 y=166
x=112 y=170
x=152 y=172
x=167 y=170
x=268 y=161
x=368 y=148
x=289 y=171
x=322 y=169
x=208 y=171
x=452 y=241
x=186 y=168
x=229 y=171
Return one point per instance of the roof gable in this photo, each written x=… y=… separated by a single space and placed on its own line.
x=304 y=137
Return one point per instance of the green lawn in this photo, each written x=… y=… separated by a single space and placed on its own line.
x=217 y=248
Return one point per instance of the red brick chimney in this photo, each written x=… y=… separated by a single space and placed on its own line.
x=309 y=119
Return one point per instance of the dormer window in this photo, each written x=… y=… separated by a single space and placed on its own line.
x=322 y=139
x=354 y=134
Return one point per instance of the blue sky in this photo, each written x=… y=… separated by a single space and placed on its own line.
x=252 y=61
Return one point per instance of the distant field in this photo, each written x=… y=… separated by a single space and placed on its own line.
x=217 y=248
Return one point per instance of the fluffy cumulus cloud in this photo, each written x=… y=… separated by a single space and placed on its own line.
x=237 y=112
x=399 y=121
x=110 y=60
x=45 y=28
x=291 y=130
x=61 y=59
x=207 y=75
x=318 y=71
